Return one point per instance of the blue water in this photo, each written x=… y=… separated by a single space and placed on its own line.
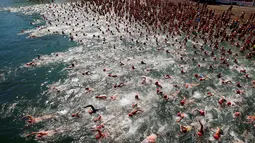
x=20 y=87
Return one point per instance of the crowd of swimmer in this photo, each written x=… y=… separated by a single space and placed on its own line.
x=211 y=82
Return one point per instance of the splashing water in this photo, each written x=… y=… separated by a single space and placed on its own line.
x=103 y=50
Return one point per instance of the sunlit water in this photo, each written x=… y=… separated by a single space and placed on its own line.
x=101 y=46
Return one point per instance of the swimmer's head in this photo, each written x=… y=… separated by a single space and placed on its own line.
x=90 y=111
x=137 y=97
x=237 y=114
x=39 y=135
x=249 y=117
x=199 y=133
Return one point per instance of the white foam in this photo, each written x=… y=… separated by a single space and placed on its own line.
x=63 y=112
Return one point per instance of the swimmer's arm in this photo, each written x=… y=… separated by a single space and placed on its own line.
x=179 y=119
x=68 y=68
x=28 y=116
x=195 y=84
x=218 y=131
x=207 y=77
x=32 y=134
x=47 y=116
x=201 y=126
x=176 y=93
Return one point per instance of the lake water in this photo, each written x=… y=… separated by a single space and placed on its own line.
x=102 y=52
x=20 y=87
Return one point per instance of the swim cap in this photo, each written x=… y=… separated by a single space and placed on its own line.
x=150 y=139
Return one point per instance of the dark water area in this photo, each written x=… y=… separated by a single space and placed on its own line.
x=20 y=87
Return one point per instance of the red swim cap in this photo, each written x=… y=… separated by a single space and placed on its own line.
x=199 y=134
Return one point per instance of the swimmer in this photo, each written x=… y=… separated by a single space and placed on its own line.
x=103 y=97
x=238 y=84
x=211 y=67
x=30 y=64
x=111 y=75
x=253 y=84
x=122 y=64
x=71 y=66
x=32 y=36
x=181 y=115
x=77 y=115
x=222 y=100
x=144 y=80
x=185 y=129
x=168 y=76
x=119 y=85
x=201 y=112
x=226 y=81
x=190 y=85
x=150 y=139
x=42 y=134
x=99 y=118
x=89 y=89
x=183 y=101
x=240 y=92
x=158 y=84
x=93 y=110
x=98 y=127
x=100 y=135
x=53 y=88
x=165 y=96
x=113 y=97
x=159 y=92
x=86 y=73
x=32 y=120
x=38 y=134
x=135 y=105
x=229 y=103
x=209 y=93
x=247 y=76
x=201 y=131
x=137 y=97
x=203 y=78
x=143 y=63
x=251 y=118
x=237 y=114
x=132 y=113
x=235 y=61
x=218 y=133
x=243 y=71
x=105 y=70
